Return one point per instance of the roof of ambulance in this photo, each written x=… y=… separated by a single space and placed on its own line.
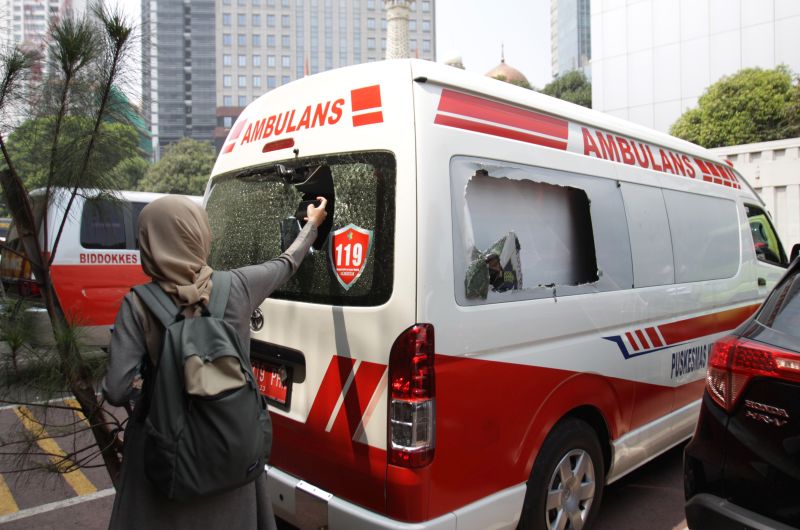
x=451 y=77
x=422 y=71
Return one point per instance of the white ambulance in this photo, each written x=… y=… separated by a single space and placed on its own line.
x=96 y=261
x=510 y=306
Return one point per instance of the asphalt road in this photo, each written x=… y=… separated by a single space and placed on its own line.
x=651 y=497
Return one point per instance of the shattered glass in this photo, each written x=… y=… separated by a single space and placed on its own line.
x=252 y=217
x=498 y=267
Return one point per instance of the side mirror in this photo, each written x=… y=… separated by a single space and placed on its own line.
x=795 y=252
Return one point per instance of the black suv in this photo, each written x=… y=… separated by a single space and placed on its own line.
x=742 y=468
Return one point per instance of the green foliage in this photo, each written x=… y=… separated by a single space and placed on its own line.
x=116 y=145
x=753 y=105
x=572 y=86
x=184 y=168
x=129 y=172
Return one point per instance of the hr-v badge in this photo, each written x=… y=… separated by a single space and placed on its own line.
x=349 y=248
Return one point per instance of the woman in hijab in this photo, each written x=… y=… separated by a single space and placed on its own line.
x=175 y=239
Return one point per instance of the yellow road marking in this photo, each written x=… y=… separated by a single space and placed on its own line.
x=70 y=402
x=75 y=478
x=7 y=502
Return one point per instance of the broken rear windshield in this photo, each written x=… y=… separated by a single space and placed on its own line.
x=255 y=215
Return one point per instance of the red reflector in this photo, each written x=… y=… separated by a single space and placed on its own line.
x=734 y=362
x=278 y=145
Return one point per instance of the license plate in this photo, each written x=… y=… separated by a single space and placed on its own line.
x=274 y=382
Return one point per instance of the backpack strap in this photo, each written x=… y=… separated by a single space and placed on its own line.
x=157 y=301
x=220 y=290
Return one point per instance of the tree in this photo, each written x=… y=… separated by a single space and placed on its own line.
x=83 y=52
x=116 y=143
x=517 y=82
x=753 y=105
x=184 y=168
x=572 y=86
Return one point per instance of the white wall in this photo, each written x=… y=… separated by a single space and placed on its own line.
x=773 y=169
x=652 y=59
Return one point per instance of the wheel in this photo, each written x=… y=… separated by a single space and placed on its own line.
x=567 y=479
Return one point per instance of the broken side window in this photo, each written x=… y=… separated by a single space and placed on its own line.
x=526 y=233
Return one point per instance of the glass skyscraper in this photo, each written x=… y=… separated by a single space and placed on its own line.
x=571 y=36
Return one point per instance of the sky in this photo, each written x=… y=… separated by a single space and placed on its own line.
x=476 y=30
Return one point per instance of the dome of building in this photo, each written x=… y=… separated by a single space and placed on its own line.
x=507 y=73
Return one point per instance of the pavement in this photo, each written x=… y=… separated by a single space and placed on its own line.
x=31 y=496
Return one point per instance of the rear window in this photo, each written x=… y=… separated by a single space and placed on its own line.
x=781 y=310
x=254 y=217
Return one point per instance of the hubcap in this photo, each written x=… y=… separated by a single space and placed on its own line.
x=570 y=492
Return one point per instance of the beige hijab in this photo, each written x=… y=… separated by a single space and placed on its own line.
x=175 y=239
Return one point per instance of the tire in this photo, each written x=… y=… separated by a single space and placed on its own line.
x=566 y=483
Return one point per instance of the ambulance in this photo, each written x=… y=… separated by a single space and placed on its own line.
x=95 y=264
x=509 y=307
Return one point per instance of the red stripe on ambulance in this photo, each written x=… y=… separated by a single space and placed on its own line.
x=499 y=131
x=366 y=99
x=467 y=106
x=358 y=396
x=694 y=328
x=330 y=389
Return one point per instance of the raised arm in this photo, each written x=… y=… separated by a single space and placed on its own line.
x=262 y=279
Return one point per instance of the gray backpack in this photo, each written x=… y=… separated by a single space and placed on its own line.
x=207 y=426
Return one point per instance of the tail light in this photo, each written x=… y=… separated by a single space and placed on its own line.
x=412 y=410
x=734 y=362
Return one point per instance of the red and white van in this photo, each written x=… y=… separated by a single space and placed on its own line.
x=511 y=307
x=97 y=259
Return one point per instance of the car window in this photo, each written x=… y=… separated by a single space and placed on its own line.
x=255 y=215
x=765 y=239
x=781 y=310
x=103 y=224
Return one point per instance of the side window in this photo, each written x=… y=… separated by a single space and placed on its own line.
x=648 y=225
x=765 y=239
x=103 y=225
x=525 y=232
x=705 y=236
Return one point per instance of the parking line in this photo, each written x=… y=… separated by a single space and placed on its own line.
x=71 y=402
x=44 y=508
x=75 y=478
x=7 y=502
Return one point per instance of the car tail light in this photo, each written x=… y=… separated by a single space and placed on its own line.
x=735 y=361
x=412 y=409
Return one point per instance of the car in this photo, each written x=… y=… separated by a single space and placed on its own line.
x=742 y=466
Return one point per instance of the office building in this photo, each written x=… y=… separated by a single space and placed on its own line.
x=570 y=36
x=653 y=59
x=258 y=45
x=178 y=70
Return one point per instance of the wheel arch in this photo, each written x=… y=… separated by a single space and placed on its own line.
x=589 y=397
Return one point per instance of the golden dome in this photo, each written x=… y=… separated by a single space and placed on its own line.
x=507 y=73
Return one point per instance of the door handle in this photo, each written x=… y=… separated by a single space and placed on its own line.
x=762 y=282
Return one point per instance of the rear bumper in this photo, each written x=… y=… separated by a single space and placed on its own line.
x=308 y=507
x=709 y=512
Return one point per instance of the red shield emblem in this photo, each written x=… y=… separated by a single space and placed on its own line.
x=349 y=249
